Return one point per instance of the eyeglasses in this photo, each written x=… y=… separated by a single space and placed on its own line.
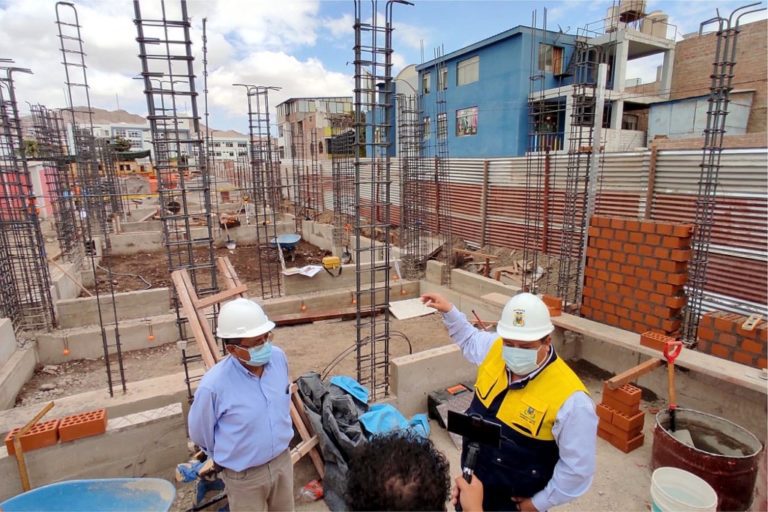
x=256 y=341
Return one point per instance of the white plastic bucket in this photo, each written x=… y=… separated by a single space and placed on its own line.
x=677 y=490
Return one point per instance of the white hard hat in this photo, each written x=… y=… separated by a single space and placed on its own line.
x=242 y=318
x=525 y=318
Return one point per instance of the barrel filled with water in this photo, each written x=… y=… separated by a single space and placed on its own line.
x=723 y=454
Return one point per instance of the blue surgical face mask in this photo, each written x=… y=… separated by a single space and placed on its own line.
x=520 y=361
x=259 y=356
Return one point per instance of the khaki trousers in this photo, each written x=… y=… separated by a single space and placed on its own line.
x=265 y=487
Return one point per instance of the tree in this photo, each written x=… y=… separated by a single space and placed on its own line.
x=121 y=144
x=30 y=148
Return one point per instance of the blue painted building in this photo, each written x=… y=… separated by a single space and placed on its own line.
x=486 y=87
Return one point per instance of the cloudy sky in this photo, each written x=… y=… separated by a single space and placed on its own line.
x=302 y=46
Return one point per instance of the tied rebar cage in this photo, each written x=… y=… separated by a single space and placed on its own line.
x=373 y=122
x=299 y=173
x=25 y=297
x=413 y=206
x=441 y=177
x=719 y=96
x=313 y=201
x=580 y=153
x=341 y=150
x=183 y=178
x=92 y=191
x=52 y=151
x=265 y=190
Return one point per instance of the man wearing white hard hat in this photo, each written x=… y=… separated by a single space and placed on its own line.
x=548 y=420
x=241 y=412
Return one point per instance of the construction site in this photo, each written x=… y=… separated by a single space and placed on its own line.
x=649 y=252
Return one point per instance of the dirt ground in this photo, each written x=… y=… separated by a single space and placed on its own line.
x=142 y=271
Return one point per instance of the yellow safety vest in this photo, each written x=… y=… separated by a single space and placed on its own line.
x=531 y=411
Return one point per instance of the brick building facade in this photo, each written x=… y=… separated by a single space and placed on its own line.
x=693 y=66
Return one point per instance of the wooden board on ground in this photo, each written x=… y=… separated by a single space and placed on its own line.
x=193 y=309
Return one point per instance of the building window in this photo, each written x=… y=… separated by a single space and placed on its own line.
x=442 y=125
x=551 y=59
x=134 y=134
x=442 y=78
x=427 y=129
x=468 y=71
x=426 y=83
x=228 y=144
x=466 y=122
x=242 y=144
x=630 y=122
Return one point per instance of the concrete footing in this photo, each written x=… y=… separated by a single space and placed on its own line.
x=135 y=445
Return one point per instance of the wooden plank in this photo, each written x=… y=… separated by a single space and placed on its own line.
x=227 y=272
x=202 y=321
x=633 y=373
x=219 y=297
x=209 y=359
x=313 y=316
x=722 y=369
x=148 y=216
x=309 y=441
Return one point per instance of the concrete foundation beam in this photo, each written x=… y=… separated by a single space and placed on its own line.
x=86 y=342
x=137 y=445
x=7 y=340
x=323 y=281
x=15 y=373
x=477 y=286
x=65 y=285
x=140 y=396
x=318 y=234
x=147 y=225
x=136 y=242
x=129 y=305
x=336 y=299
x=416 y=375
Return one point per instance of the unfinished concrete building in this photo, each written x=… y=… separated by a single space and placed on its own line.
x=111 y=287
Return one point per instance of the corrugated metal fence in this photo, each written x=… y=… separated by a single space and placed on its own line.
x=737 y=270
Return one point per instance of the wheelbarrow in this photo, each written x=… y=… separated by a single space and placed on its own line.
x=109 y=494
x=287 y=243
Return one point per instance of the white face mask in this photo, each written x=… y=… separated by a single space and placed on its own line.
x=520 y=361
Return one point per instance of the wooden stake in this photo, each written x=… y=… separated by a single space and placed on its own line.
x=20 y=461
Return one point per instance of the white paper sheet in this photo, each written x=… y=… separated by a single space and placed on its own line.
x=410 y=308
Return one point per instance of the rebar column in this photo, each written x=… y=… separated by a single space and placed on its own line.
x=373 y=122
x=25 y=297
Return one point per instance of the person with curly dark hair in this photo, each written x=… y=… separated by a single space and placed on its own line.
x=398 y=471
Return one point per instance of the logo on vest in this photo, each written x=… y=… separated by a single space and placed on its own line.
x=518 y=320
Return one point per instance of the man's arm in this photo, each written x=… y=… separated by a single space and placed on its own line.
x=575 y=432
x=202 y=420
x=473 y=342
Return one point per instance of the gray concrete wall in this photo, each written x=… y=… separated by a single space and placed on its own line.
x=140 y=304
x=7 y=340
x=477 y=285
x=416 y=375
x=65 y=286
x=86 y=342
x=333 y=300
x=298 y=284
x=137 y=445
x=318 y=234
x=140 y=396
x=135 y=242
x=15 y=373
x=147 y=225
x=742 y=406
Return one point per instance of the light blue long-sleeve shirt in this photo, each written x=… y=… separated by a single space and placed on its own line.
x=575 y=427
x=239 y=419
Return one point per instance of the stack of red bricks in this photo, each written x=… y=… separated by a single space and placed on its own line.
x=66 y=429
x=723 y=335
x=635 y=274
x=620 y=418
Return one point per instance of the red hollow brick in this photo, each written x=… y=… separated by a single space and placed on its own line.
x=643 y=273
x=631 y=424
x=762 y=362
x=630 y=248
x=728 y=339
x=645 y=250
x=671 y=325
x=630 y=444
x=720 y=351
x=668 y=290
x=611 y=287
x=644 y=307
x=601 y=222
x=607 y=233
x=723 y=323
x=600 y=264
x=604 y=254
x=617 y=223
x=605 y=413
x=39 y=436
x=625 y=323
x=680 y=255
x=621 y=235
x=658 y=275
x=677 y=279
x=650 y=263
x=636 y=238
x=619 y=257
x=652 y=239
x=683 y=230
x=627 y=394
x=672 y=242
x=752 y=347
x=601 y=243
x=613 y=267
x=586 y=311
x=663 y=228
x=706 y=333
x=591 y=252
x=744 y=358
x=647 y=227
x=654 y=340
x=611 y=319
x=662 y=253
x=634 y=259
x=675 y=302
x=676 y=267
x=593 y=231
x=615 y=245
x=632 y=225
x=636 y=316
x=631 y=281
x=86 y=424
